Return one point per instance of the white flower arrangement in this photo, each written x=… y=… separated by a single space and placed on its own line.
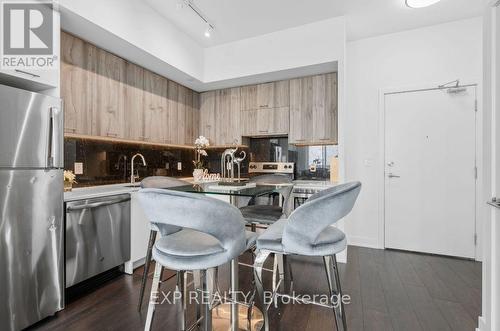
x=69 y=176
x=200 y=144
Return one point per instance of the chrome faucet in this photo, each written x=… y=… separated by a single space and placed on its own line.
x=133 y=177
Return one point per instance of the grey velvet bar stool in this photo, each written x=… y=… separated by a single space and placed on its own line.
x=160 y=182
x=212 y=234
x=260 y=212
x=309 y=232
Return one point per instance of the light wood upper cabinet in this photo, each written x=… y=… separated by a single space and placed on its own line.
x=134 y=102
x=110 y=107
x=74 y=80
x=265 y=122
x=325 y=108
x=207 y=116
x=249 y=97
x=265 y=109
x=105 y=95
x=155 y=107
x=313 y=109
x=282 y=94
x=301 y=124
x=220 y=116
x=265 y=95
x=227 y=116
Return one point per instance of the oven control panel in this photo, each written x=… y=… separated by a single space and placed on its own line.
x=271 y=167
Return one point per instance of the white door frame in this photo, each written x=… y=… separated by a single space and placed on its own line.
x=480 y=210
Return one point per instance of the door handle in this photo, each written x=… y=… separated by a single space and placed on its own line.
x=391 y=175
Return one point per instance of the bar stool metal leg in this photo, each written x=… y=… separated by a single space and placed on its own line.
x=259 y=264
x=152 y=238
x=181 y=288
x=205 y=300
x=198 y=290
x=153 y=296
x=339 y=291
x=234 y=295
x=328 y=268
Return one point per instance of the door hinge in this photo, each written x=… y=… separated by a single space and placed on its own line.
x=475 y=172
x=475 y=105
x=475 y=239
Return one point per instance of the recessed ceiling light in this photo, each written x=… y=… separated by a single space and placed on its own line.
x=208 y=31
x=420 y=3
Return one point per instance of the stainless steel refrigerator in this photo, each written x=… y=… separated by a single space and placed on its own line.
x=31 y=207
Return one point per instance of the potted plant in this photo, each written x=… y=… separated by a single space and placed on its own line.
x=199 y=147
x=69 y=180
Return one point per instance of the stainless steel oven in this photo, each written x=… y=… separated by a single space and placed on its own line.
x=97 y=236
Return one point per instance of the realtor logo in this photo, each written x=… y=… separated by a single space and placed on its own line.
x=27 y=35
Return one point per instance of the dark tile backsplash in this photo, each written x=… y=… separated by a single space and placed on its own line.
x=109 y=163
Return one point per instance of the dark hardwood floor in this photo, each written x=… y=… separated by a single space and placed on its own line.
x=390 y=290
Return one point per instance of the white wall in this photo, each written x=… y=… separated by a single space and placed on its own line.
x=314 y=43
x=423 y=57
x=139 y=25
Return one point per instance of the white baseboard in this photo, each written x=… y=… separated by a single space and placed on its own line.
x=364 y=242
x=481 y=324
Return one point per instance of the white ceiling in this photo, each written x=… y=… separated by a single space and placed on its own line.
x=240 y=19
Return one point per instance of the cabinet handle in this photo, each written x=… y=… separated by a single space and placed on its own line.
x=300 y=140
x=264 y=131
x=324 y=139
x=264 y=106
x=112 y=134
x=27 y=73
x=70 y=130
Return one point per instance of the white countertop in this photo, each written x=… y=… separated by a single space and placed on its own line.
x=115 y=189
x=98 y=191
x=313 y=183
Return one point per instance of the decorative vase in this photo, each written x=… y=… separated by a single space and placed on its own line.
x=68 y=186
x=198 y=174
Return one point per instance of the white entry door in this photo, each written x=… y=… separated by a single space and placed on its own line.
x=430 y=171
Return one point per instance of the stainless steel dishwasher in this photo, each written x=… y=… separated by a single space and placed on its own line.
x=97 y=236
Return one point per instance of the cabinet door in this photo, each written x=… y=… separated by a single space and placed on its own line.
x=280 y=121
x=134 y=103
x=155 y=91
x=301 y=117
x=222 y=116
x=207 y=116
x=185 y=116
x=248 y=122
x=234 y=128
x=173 y=113
x=319 y=107
x=325 y=108
x=282 y=94
x=265 y=95
x=74 y=78
x=196 y=118
x=227 y=116
x=331 y=116
x=249 y=97
x=110 y=95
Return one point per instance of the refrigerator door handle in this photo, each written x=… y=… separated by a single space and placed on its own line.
x=55 y=143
